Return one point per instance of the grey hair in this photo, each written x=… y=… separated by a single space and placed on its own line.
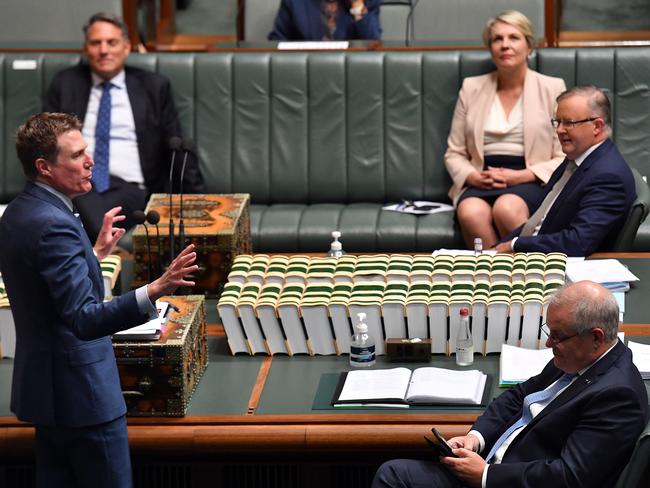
x=596 y=98
x=589 y=311
x=111 y=19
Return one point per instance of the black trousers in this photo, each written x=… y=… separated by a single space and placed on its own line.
x=96 y=456
x=92 y=206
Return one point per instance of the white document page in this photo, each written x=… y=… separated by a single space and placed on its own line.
x=518 y=364
x=312 y=45
x=599 y=270
x=640 y=357
x=375 y=384
x=439 y=385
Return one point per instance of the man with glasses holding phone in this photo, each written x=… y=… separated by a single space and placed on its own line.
x=574 y=424
x=590 y=194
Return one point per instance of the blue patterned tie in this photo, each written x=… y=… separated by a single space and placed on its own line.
x=101 y=177
x=526 y=415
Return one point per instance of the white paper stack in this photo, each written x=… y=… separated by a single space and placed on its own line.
x=148 y=331
x=608 y=272
x=641 y=358
x=518 y=364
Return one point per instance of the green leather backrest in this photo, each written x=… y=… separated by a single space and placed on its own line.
x=330 y=126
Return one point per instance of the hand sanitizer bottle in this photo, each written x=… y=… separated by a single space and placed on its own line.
x=464 y=342
x=336 y=249
x=478 y=246
x=362 y=347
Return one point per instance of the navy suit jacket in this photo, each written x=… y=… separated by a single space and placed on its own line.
x=584 y=437
x=154 y=113
x=589 y=213
x=64 y=372
x=300 y=20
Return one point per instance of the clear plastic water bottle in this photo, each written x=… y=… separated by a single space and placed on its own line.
x=362 y=347
x=336 y=248
x=464 y=341
x=478 y=246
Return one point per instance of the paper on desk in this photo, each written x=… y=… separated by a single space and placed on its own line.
x=154 y=326
x=641 y=357
x=518 y=364
x=600 y=271
x=312 y=45
x=458 y=252
x=419 y=207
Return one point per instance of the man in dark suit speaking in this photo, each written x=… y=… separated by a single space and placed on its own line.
x=128 y=117
x=590 y=194
x=65 y=378
x=574 y=424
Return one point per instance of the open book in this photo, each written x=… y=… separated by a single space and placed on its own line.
x=423 y=386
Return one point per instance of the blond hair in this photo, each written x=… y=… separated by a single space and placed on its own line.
x=515 y=19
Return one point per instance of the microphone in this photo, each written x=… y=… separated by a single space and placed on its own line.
x=153 y=218
x=139 y=217
x=239 y=23
x=175 y=143
x=187 y=147
x=410 y=29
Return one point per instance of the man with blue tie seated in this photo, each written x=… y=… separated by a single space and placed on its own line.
x=590 y=194
x=65 y=378
x=129 y=118
x=574 y=424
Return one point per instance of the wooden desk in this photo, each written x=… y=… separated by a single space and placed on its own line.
x=251 y=412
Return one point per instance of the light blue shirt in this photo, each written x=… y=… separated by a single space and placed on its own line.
x=124 y=158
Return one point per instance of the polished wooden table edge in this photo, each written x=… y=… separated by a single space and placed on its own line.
x=263 y=434
x=283 y=419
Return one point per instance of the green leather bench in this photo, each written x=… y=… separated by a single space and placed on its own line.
x=323 y=140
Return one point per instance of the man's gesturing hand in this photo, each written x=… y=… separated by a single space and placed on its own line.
x=175 y=274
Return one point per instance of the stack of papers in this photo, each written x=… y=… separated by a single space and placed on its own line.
x=608 y=272
x=519 y=364
x=149 y=331
x=641 y=358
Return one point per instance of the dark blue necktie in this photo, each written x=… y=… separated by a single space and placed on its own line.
x=101 y=177
x=526 y=414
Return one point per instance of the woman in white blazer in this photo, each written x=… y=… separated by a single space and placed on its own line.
x=502 y=147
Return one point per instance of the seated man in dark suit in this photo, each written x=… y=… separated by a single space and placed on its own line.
x=128 y=117
x=326 y=20
x=574 y=424
x=590 y=194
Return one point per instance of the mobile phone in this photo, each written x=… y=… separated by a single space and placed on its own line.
x=441 y=445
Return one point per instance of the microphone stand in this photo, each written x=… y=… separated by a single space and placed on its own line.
x=410 y=28
x=139 y=217
x=153 y=218
x=174 y=143
x=181 y=225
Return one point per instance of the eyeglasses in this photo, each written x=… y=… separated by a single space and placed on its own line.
x=570 y=124
x=555 y=340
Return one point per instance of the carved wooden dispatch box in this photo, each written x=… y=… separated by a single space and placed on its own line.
x=159 y=377
x=218 y=225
